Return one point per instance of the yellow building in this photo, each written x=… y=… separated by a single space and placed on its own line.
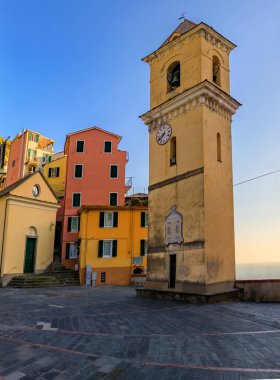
x=27 y=224
x=191 y=227
x=113 y=241
x=55 y=173
x=4 y=156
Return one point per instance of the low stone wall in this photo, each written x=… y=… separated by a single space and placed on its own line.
x=260 y=290
x=138 y=280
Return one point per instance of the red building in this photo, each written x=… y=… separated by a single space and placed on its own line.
x=95 y=175
x=28 y=151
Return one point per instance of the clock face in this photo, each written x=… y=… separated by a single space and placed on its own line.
x=35 y=190
x=163 y=134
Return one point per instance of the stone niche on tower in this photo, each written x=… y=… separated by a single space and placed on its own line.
x=191 y=221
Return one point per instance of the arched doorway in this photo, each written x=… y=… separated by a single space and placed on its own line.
x=30 y=250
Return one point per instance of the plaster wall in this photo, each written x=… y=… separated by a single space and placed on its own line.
x=195 y=55
x=24 y=215
x=57 y=183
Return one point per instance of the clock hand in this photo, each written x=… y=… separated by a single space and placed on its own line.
x=162 y=136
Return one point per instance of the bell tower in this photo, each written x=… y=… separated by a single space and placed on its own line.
x=191 y=223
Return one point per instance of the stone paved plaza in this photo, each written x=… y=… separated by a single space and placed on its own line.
x=109 y=333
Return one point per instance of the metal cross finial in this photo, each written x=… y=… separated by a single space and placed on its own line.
x=182 y=16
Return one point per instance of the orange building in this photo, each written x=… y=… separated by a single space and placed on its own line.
x=95 y=175
x=28 y=150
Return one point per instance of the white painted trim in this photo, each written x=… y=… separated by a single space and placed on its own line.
x=203 y=94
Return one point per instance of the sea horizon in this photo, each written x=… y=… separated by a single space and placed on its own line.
x=258 y=271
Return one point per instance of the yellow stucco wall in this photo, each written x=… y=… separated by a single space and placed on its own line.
x=27 y=216
x=203 y=193
x=57 y=183
x=195 y=54
x=129 y=233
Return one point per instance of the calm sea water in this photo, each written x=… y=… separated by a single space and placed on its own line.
x=260 y=271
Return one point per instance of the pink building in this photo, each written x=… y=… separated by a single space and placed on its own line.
x=95 y=175
x=28 y=150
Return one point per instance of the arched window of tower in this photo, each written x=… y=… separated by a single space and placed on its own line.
x=173 y=151
x=219 y=148
x=216 y=68
x=173 y=76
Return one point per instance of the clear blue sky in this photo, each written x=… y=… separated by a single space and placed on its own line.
x=71 y=64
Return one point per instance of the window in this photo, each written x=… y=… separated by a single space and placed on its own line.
x=73 y=224
x=216 y=69
x=173 y=76
x=107 y=248
x=80 y=146
x=103 y=277
x=78 y=171
x=144 y=219
x=108 y=219
x=219 y=148
x=143 y=247
x=53 y=172
x=108 y=146
x=76 y=199
x=71 y=251
x=13 y=163
x=113 y=199
x=173 y=151
x=114 y=171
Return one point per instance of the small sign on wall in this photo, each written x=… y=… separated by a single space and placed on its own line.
x=174 y=227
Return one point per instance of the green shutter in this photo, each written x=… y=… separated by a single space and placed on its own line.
x=101 y=219
x=35 y=153
x=114 y=171
x=115 y=248
x=100 y=248
x=29 y=153
x=69 y=224
x=67 y=250
x=76 y=200
x=143 y=219
x=113 y=199
x=108 y=147
x=115 y=222
x=142 y=247
x=78 y=171
x=29 y=136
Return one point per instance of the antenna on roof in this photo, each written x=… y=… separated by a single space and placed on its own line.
x=182 y=17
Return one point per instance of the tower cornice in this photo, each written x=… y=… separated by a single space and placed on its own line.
x=203 y=30
x=204 y=94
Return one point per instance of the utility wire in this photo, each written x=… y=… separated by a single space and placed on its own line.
x=260 y=176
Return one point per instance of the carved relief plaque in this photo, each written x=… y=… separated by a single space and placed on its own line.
x=173 y=227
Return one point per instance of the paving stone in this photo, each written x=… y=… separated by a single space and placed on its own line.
x=108 y=333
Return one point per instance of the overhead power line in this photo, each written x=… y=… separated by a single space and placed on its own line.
x=260 y=176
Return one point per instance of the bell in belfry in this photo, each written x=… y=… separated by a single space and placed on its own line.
x=174 y=77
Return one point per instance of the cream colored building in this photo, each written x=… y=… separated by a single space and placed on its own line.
x=27 y=225
x=191 y=224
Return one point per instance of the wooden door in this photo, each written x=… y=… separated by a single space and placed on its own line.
x=29 y=261
x=172 y=271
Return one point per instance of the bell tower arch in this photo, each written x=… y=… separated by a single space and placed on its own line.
x=191 y=230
